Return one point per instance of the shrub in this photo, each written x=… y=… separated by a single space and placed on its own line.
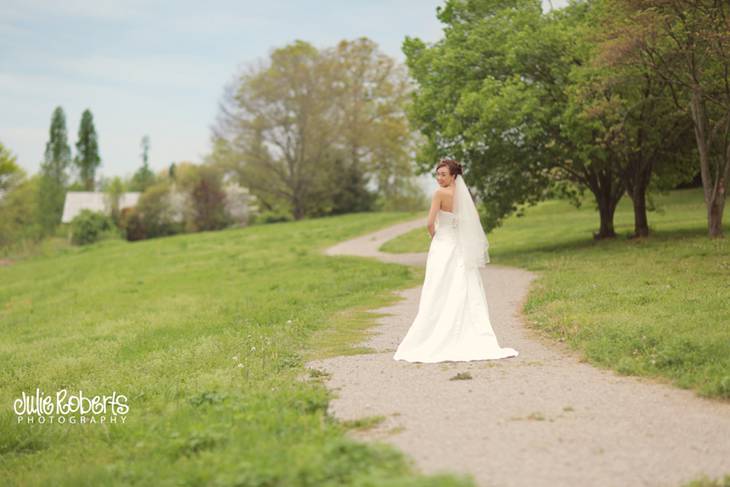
x=208 y=200
x=90 y=226
x=155 y=215
x=271 y=216
x=132 y=225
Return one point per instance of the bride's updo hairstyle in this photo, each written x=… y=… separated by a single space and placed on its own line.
x=453 y=165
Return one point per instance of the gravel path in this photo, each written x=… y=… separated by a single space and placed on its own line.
x=544 y=418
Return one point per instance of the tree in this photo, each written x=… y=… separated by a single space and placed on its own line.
x=144 y=177
x=87 y=158
x=518 y=96
x=310 y=125
x=52 y=187
x=114 y=189
x=208 y=200
x=371 y=96
x=687 y=44
x=652 y=136
x=18 y=221
x=154 y=214
x=10 y=172
x=278 y=123
x=622 y=123
x=351 y=194
x=491 y=93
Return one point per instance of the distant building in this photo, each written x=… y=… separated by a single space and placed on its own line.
x=94 y=201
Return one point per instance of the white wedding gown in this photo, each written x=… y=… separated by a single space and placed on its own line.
x=452 y=323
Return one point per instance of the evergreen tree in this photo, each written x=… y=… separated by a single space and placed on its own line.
x=144 y=177
x=52 y=187
x=87 y=151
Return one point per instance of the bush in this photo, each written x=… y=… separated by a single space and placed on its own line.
x=155 y=215
x=18 y=224
x=271 y=217
x=90 y=226
x=208 y=201
x=131 y=223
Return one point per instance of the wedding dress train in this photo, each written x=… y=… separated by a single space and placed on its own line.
x=452 y=323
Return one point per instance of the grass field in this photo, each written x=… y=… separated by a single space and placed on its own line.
x=657 y=307
x=206 y=335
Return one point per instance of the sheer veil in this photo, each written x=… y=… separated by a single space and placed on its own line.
x=471 y=237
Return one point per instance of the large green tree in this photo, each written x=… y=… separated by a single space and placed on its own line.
x=490 y=93
x=309 y=130
x=687 y=44
x=621 y=119
x=54 y=176
x=277 y=123
x=371 y=95
x=87 y=158
x=517 y=94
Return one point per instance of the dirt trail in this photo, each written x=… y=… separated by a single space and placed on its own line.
x=543 y=418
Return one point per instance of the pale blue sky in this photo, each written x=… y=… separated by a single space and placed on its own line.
x=159 y=67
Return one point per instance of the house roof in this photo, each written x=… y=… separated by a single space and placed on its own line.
x=94 y=201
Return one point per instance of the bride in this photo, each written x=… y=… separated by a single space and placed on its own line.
x=452 y=323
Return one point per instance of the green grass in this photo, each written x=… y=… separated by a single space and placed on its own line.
x=656 y=307
x=206 y=334
x=706 y=481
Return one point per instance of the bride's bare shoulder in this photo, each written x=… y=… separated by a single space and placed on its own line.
x=438 y=195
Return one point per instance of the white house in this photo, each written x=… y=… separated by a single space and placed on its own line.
x=94 y=201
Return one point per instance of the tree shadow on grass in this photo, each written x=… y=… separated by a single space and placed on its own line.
x=621 y=241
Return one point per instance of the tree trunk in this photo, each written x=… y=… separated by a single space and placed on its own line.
x=606 y=211
x=637 y=177
x=607 y=189
x=715 y=209
x=641 y=223
x=714 y=191
x=297 y=210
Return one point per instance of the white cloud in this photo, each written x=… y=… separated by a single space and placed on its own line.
x=27 y=10
x=146 y=71
x=216 y=22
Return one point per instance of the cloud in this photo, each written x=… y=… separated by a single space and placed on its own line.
x=28 y=10
x=152 y=71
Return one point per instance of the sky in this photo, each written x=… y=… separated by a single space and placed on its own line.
x=159 y=67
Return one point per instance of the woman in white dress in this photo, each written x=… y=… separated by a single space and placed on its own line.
x=452 y=323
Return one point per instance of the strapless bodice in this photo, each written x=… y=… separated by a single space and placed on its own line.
x=447 y=222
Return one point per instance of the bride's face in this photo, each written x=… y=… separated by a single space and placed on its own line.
x=443 y=177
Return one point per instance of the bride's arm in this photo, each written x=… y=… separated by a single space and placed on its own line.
x=435 y=207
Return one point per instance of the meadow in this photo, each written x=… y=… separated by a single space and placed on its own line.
x=656 y=307
x=206 y=335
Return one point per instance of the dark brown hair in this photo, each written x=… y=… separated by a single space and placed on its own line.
x=453 y=165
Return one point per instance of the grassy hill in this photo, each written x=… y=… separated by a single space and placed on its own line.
x=657 y=307
x=206 y=335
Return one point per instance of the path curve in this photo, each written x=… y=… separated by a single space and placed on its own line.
x=541 y=418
